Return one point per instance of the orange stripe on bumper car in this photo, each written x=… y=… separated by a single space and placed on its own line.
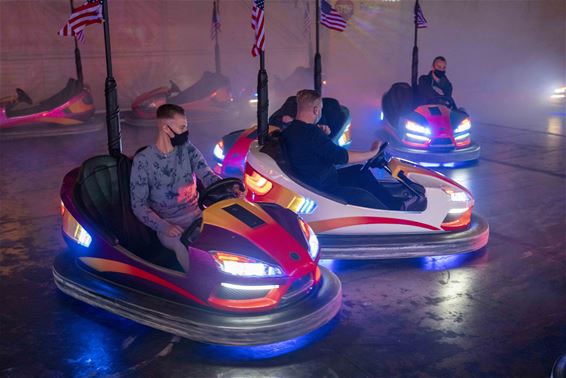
x=112 y=266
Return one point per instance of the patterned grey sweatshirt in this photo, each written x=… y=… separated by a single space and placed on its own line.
x=162 y=186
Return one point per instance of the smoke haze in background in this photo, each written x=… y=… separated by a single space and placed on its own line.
x=504 y=57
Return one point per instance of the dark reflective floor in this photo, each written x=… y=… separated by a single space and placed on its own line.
x=498 y=312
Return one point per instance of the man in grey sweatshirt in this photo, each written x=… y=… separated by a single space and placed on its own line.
x=163 y=186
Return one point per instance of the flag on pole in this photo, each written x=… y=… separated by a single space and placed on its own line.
x=215 y=26
x=420 y=20
x=257 y=26
x=87 y=14
x=330 y=17
x=307 y=20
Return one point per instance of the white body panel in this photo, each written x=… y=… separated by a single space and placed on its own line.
x=428 y=221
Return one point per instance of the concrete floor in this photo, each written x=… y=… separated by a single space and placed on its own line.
x=498 y=312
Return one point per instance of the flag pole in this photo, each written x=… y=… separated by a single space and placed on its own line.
x=311 y=54
x=263 y=101
x=216 y=45
x=415 y=61
x=78 y=63
x=317 y=62
x=110 y=92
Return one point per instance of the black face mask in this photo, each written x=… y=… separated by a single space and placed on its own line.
x=439 y=74
x=179 y=139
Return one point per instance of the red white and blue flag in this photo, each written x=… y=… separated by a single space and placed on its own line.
x=87 y=14
x=330 y=17
x=420 y=20
x=215 y=26
x=257 y=26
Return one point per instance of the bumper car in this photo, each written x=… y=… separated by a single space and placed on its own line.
x=254 y=276
x=435 y=134
x=63 y=113
x=440 y=221
x=209 y=98
x=230 y=152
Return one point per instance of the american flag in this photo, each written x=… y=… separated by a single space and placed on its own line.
x=308 y=21
x=419 y=17
x=330 y=17
x=87 y=14
x=257 y=26
x=215 y=26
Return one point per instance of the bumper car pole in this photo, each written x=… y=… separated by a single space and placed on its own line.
x=215 y=9
x=110 y=92
x=78 y=63
x=415 y=62
x=263 y=101
x=317 y=59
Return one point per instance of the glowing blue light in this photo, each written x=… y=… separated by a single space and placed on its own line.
x=381 y=116
x=446 y=262
x=449 y=165
x=424 y=164
x=261 y=352
x=307 y=206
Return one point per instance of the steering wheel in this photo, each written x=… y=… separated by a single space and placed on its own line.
x=444 y=100
x=219 y=191
x=378 y=160
x=23 y=96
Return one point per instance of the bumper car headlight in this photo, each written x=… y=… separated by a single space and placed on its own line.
x=465 y=125
x=559 y=93
x=460 y=213
x=73 y=229
x=457 y=195
x=416 y=128
x=244 y=266
x=219 y=150
x=311 y=238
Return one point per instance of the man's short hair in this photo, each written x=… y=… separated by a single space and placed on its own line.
x=167 y=111
x=307 y=98
x=441 y=58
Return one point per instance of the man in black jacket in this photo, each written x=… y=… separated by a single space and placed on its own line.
x=313 y=157
x=435 y=86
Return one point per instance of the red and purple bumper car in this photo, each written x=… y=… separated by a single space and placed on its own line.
x=254 y=276
x=64 y=112
x=434 y=134
x=210 y=98
x=230 y=152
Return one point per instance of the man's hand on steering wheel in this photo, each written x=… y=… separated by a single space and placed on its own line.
x=226 y=188
x=375 y=146
x=238 y=192
x=377 y=160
